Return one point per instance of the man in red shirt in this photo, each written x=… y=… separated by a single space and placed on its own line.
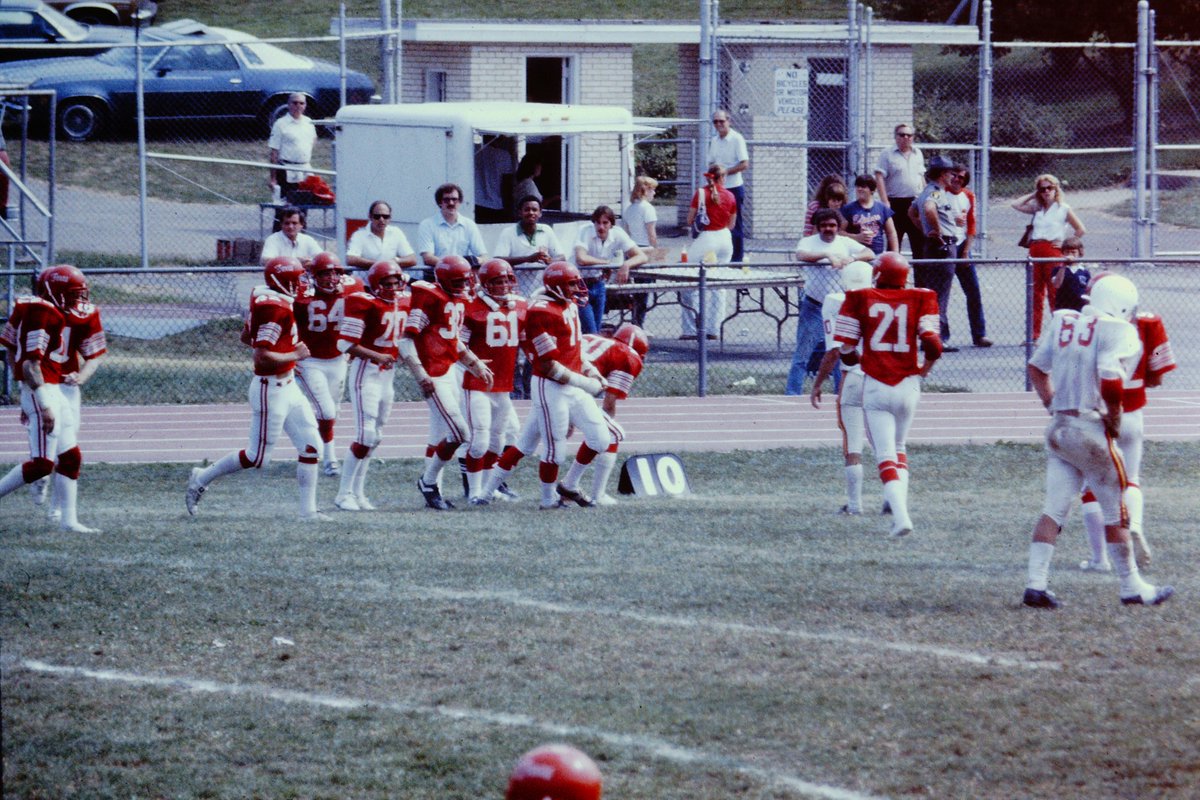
x=895 y=325
x=276 y=402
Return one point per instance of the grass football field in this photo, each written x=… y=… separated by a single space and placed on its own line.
x=744 y=642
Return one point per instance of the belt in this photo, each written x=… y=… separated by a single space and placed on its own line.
x=276 y=380
x=812 y=300
x=1068 y=412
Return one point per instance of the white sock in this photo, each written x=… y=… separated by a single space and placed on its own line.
x=1093 y=523
x=475 y=484
x=1134 y=504
x=549 y=494
x=854 y=481
x=329 y=453
x=349 y=467
x=434 y=468
x=603 y=464
x=1040 y=554
x=359 y=487
x=225 y=465
x=306 y=476
x=1121 y=556
x=68 y=494
x=495 y=477
x=574 y=475
x=12 y=481
x=893 y=492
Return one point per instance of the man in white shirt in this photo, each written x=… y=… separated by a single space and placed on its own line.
x=728 y=148
x=527 y=243
x=448 y=233
x=378 y=241
x=900 y=177
x=291 y=144
x=290 y=239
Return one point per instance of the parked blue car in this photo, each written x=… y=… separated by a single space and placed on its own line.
x=32 y=29
x=191 y=71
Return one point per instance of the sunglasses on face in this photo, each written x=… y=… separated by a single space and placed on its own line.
x=381 y=216
x=905 y=135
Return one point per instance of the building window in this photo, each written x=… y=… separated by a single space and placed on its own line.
x=435 y=86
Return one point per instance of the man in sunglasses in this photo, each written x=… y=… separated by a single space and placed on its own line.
x=900 y=177
x=378 y=241
x=448 y=233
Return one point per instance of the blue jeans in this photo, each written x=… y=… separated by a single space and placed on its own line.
x=810 y=332
x=739 y=194
x=591 y=315
x=969 y=281
x=939 y=278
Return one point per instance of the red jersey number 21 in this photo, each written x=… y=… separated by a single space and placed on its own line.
x=884 y=340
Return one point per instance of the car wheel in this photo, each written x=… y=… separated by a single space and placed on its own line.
x=80 y=120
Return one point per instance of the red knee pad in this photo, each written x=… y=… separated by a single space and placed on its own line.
x=510 y=458
x=547 y=472
x=309 y=456
x=360 y=450
x=447 y=449
x=325 y=428
x=612 y=448
x=70 y=463
x=245 y=461
x=490 y=458
x=36 y=468
x=585 y=455
x=430 y=450
x=888 y=471
x=474 y=463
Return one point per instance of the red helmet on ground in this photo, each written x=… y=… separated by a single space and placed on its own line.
x=326 y=273
x=563 y=282
x=284 y=274
x=554 y=772
x=633 y=336
x=453 y=273
x=498 y=278
x=379 y=279
x=892 y=271
x=64 y=286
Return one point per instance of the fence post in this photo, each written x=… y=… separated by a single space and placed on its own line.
x=1030 y=333
x=1140 y=126
x=702 y=332
x=986 y=76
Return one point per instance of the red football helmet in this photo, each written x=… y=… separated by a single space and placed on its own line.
x=498 y=278
x=554 y=772
x=284 y=274
x=633 y=336
x=453 y=273
x=892 y=271
x=64 y=286
x=563 y=282
x=385 y=279
x=325 y=273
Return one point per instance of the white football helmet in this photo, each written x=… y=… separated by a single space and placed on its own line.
x=857 y=275
x=1114 y=295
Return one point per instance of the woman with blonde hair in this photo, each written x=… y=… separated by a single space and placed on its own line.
x=1050 y=217
x=714 y=210
x=641 y=218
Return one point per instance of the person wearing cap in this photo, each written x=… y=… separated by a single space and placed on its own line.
x=942 y=215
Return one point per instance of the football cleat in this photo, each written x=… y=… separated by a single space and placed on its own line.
x=900 y=527
x=1087 y=565
x=575 y=496
x=606 y=499
x=347 y=502
x=315 y=516
x=845 y=511
x=433 y=496
x=1141 y=548
x=1158 y=596
x=79 y=527
x=364 y=503
x=1037 y=598
x=478 y=501
x=195 y=491
x=551 y=506
x=504 y=493
x=332 y=468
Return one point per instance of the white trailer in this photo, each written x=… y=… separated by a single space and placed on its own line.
x=402 y=153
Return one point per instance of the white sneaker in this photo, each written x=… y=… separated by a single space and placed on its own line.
x=194 y=491
x=54 y=515
x=364 y=503
x=1087 y=565
x=78 y=527
x=332 y=468
x=1141 y=549
x=38 y=491
x=347 y=502
x=315 y=516
x=605 y=499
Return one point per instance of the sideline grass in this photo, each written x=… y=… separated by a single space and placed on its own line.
x=775 y=646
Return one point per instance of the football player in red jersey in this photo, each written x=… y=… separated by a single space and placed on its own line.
x=895 y=326
x=322 y=376
x=40 y=347
x=430 y=347
x=493 y=328
x=1156 y=361
x=619 y=357
x=276 y=403
x=370 y=333
x=1078 y=371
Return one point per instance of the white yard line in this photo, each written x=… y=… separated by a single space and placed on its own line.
x=658 y=748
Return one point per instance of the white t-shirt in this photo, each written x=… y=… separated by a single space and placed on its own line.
x=1050 y=223
x=277 y=244
x=612 y=249
x=637 y=216
x=294 y=139
x=820 y=278
x=727 y=152
x=365 y=244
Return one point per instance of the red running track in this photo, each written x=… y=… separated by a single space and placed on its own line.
x=151 y=434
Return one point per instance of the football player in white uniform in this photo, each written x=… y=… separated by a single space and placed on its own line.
x=851 y=422
x=1078 y=371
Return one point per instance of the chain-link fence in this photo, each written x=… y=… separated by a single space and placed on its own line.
x=174 y=334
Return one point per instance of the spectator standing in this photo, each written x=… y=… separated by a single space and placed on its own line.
x=716 y=209
x=529 y=241
x=378 y=241
x=826 y=253
x=728 y=148
x=525 y=179
x=943 y=218
x=900 y=175
x=968 y=278
x=1050 y=216
x=290 y=241
x=448 y=233
x=870 y=219
x=831 y=193
x=603 y=244
x=1072 y=278
x=290 y=145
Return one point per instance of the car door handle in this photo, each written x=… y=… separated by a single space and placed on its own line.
x=235 y=80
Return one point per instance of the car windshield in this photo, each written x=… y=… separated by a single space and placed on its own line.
x=124 y=56
x=70 y=28
x=261 y=54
